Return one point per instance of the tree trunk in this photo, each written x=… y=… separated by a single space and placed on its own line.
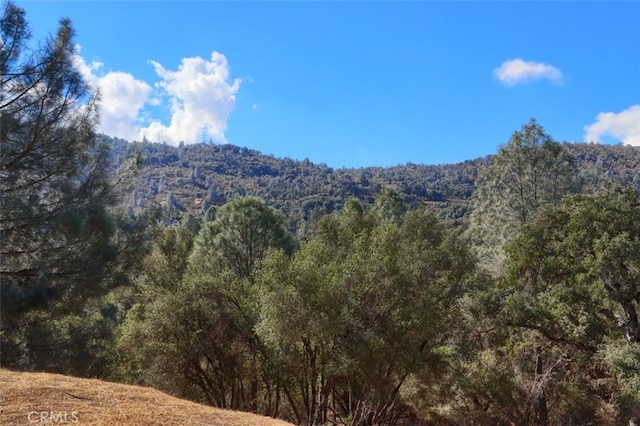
x=542 y=416
x=632 y=328
x=253 y=386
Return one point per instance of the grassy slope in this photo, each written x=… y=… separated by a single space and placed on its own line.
x=94 y=402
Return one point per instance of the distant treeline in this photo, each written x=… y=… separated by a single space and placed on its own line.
x=195 y=177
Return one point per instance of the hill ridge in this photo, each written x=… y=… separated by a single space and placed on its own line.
x=195 y=177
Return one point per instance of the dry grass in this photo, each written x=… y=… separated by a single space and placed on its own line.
x=41 y=398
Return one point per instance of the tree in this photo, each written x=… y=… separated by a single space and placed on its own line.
x=192 y=341
x=299 y=322
x=389 y=206
x=588 y=250
x=589 y=244
x=531 y=171
x=207 y=347
x=234 y=245
x=359 y=311
x=165 y=266
x=55 y=228
x=241 y=233
x=160 y=278
x=528 y=172
x=565 y=313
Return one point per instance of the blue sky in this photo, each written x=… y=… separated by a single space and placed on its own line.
x=356 y=83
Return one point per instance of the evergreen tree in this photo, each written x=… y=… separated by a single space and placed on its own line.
x=574 y=276
x=55 y=228
x=241 y=233
x=527 y=173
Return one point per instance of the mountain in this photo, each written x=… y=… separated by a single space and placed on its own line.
x=196 y=177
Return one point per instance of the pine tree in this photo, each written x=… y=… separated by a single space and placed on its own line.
x=55 y=228
x=530 y=171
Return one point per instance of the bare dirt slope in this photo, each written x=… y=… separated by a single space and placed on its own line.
x=41 y=398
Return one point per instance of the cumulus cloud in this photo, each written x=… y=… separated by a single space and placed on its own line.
x=122 y=98
x=201 y=97
x=514 y=71
x=88 y=70
x=624 y=125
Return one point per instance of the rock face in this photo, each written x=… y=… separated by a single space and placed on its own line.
x=42 y=398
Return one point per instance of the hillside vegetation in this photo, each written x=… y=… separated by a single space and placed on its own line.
x=501 y=290
x=193 y=178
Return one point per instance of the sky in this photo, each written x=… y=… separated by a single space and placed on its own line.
x=357 y=83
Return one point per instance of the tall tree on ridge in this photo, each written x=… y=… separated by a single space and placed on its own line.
x=528 y=172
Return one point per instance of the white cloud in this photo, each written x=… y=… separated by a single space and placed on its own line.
x=199 y=96
x=515 y=71
x=87 y=70
x=624 y=125
x=122 y=98
x=202 y=98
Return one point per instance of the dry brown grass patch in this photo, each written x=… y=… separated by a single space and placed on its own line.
x=42 y=398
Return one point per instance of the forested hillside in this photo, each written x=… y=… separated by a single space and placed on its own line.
x=502 y=290
x=195 y=177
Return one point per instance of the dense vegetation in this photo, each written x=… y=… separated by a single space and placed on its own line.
x=503 y=290
x=195 y=177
